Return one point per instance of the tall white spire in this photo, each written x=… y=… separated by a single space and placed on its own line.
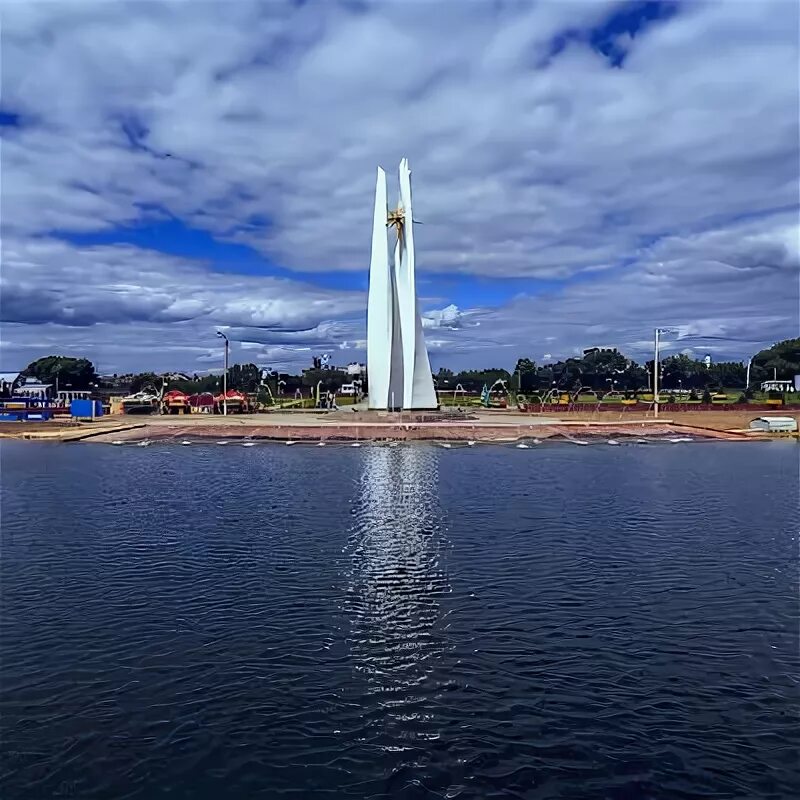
x=397 y=362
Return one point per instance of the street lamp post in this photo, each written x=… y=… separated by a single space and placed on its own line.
x=658 y=331
x=655 y=375
x=225 y=376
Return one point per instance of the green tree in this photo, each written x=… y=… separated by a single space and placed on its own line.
x=244 y=377
x=525 y=374
x=77 y=373
x=564 y=375
x=474 y=379
x=525 y=365
x=444 y=377
x=782 y=359
x=144 y=380
x=679 y=371
x=332 y=379
x=263 y=396
x=730 y=374
x=198 y=385
x=635 y=377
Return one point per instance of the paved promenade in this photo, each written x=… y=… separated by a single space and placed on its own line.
x=479 y=425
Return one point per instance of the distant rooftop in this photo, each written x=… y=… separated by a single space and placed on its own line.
x=33 y=386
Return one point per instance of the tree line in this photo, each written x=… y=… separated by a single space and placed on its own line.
x=605 y=370
x=599 y=370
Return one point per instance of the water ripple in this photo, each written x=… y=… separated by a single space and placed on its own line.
x=410 y=622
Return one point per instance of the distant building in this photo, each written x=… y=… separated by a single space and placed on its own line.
x=774 y=424
x=356 y=369
x=33 y=389
x=116 y=381
x=64 y=398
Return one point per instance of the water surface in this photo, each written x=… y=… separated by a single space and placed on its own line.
x=411 y=622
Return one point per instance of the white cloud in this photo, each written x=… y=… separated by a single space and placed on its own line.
x=732 y=305
x=517 y=170
x=47 y=280
x=263 y=124
x=132 y=307
x=448 y=317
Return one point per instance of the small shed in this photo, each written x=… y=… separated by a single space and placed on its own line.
x=774 y=424
x=86 y=409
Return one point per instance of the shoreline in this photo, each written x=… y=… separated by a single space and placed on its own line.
x=487 y=427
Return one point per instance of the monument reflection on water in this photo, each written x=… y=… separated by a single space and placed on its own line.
x=395 y=580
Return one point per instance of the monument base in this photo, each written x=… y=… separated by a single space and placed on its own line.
x=410 y=416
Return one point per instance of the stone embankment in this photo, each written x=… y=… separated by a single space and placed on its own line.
x=483 y=426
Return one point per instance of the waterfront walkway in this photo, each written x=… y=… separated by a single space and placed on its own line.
x=483 y=425
x=486 y=425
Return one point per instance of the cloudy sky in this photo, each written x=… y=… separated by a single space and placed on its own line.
x=583 y=171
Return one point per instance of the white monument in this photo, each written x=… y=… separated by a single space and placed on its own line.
x=397 y=362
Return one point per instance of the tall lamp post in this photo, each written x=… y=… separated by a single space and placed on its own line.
x=225 y=376
x=658 y=332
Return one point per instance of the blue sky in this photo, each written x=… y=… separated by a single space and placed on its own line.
x=583 y=171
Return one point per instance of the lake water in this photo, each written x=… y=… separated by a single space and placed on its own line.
x=411 y=622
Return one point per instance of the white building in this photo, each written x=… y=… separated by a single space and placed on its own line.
x=774 y=424
x=65 y=397
x=355 y=369
x=34 y=389
x=397 y=361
